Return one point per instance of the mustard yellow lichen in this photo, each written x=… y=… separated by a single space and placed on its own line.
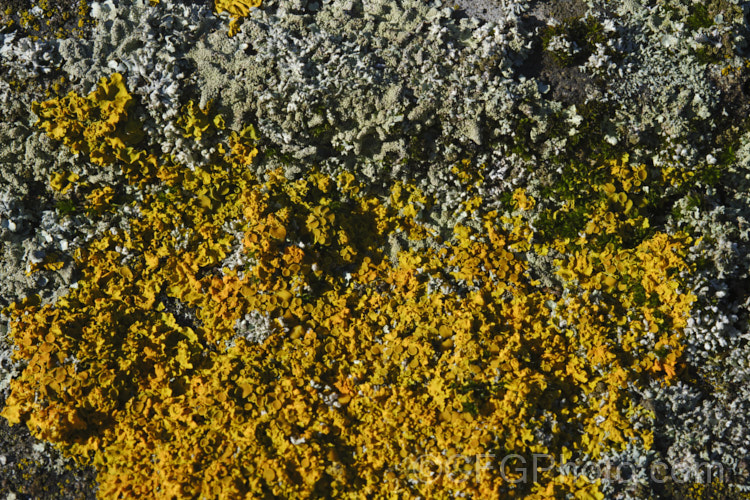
x=368 y=363
x=238 y=9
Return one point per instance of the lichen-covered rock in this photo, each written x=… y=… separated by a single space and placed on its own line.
x=231 y=233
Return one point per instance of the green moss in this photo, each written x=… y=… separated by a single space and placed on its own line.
x=709 y=54
x=588 y=143
x=585 y=33
x=65 y=207
x=556 y=226
x=699 y=17
x=274 y=153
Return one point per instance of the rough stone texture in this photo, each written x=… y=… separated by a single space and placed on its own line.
x=30 y=469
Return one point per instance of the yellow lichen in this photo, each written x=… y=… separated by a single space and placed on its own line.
x=238 y=9
x=364 y=363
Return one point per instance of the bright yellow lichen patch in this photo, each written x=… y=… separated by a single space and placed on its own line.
x=238 y=9
x=196 y=121
x=63 y=181
x=365 y=364
x=98 y=126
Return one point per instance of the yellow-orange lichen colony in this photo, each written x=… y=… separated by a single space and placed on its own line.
x=367 y=364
